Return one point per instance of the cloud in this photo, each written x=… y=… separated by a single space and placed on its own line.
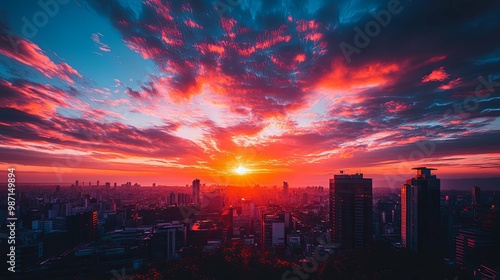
x=436 y=75
x=96 y=38
x=30 y=54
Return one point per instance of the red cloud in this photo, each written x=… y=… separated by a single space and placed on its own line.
x=436 y=75
x=375 y=74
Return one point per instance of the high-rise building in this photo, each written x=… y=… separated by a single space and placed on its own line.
x=196 y=191
x=285 y=187
x=476 y=198
x=420 y=212
x=272 y=231
x=473 y=245
x=82 y=227
x=476 y=195
x=351 y=210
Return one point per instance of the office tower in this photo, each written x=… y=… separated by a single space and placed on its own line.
x=285 y=187
x=172 y=200
x=351 y=210
x=76 y=183
x=272 y=231
x=196 y=191
x=473 y=246
x=476 y=195
x=420 y=212
x=82 y=227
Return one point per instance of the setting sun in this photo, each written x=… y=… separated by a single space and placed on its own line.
x=241 y=170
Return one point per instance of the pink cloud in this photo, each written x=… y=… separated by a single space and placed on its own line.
x=30 y=54
x=451 y=84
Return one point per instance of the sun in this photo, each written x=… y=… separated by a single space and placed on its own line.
x=241 y=170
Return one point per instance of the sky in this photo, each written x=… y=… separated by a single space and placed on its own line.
x=248 y=91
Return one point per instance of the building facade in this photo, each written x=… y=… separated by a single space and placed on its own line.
x=420 y=213
x=351 y=210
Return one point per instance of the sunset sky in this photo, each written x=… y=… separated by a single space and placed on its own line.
x=168 y=91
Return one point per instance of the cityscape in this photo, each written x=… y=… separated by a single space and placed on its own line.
x=249 y=139
x=90 y=230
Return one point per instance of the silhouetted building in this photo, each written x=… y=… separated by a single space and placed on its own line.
x=167 y=239
x=196 y=191
x=420 y=213
x=472 y=246
x=351 y=210
x=476 y=195
x=82 y=227
x=213 y=202
x=476 y=198
x=285 y=187
x=272 y=231
x=203 y=231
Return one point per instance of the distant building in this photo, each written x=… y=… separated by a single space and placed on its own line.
x=213 y=202
x=172 y=200
x=285 y=187
x=420 y=213
x=476 y=195
x=351 y=210
x=196 y=192
x=476 y=198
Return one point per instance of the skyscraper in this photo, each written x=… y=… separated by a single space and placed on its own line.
x=272 y=230
x=476 y=198
x=285 y=187
x=420 y=212
x=351 y=210
x=196 y=191
x=476 y=195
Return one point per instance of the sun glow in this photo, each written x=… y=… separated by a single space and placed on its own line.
x=241 y=170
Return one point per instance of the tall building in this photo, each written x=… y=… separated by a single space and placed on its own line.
x=272 y=231
x=285 y=187
x=420 y=212
x=476 y=195
x=196 y=191
x=351 y=210
x=82 y=227
x=476 y=198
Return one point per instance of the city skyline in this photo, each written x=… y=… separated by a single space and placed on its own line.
x=253 y=93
